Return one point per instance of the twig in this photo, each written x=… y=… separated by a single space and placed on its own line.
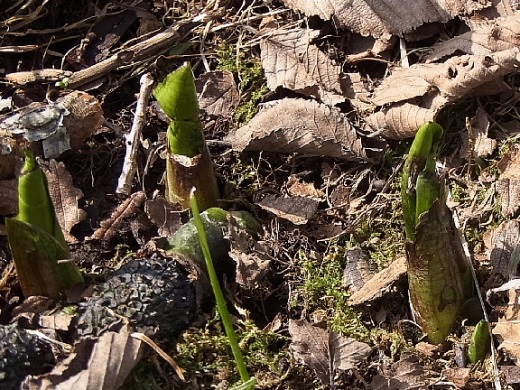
x=124 y=185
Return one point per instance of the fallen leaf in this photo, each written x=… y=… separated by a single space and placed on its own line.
x=96 y=363
x=385 y=17
x=251 y=257
x=459 y=376
x=357 y=269
x=406 y=374
x=380 y=282
x=64 y=196
x=508 y=184
x=511 y=374
x=298 y=210
x=478 y=143
x=297 y=187
x=300 y=126
x=508 y=327
x=291 y=61
x=218 y=93
x=500 y=244
x=485 y=37
x=325 y=352
x=163 y=214
x=110 y=227
x=433 y=87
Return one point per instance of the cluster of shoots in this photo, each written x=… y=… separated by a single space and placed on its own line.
x=439 y=272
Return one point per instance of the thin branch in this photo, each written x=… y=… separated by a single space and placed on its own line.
x=132 y=140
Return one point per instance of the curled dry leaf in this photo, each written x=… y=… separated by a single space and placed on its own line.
x=218 y=93
x=386 y=17
x=324 y=351
x=65 y=197
x=475 y=141
x=59 y=126
x=96 y=363
x=300 y=126
x=435 y=86
x=110 y=227
x=166 y=216
x=485 y=37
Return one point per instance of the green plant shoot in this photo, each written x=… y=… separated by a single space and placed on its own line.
x=178 y=99
x=480 y=343
x=39 y=249
x=188 y=163
x=420 y=165
x=438 y=273
x=248 y=382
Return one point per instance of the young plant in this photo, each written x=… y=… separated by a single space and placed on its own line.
x=39 y=249
x=188 y=163
x=247 y=382
x=438 y=273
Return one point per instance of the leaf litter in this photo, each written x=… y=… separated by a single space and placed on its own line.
x=341 y=92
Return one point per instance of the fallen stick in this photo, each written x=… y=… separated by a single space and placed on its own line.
x=124 y=185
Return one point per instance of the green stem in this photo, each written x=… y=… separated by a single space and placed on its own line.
x=219 y=297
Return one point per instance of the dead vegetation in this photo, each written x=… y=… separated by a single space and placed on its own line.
x=307 y=108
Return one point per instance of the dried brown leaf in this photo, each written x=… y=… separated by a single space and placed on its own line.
x=300 y=126
x=163 y=214
x=379 y=283
x=110 y=227
x=357 y=269
x=481 y=145
x=435 y=86
x=65 y=197
x=400 y=120
x=500 y=243
x=296 y=209
x=297 y=187
x=386 y=17
x=102 y=363
x=485 y=37
x=291 y=61
x=324 y=351
x=406 y=374
x=508 y=185
x=218 y=93
x=508 y=327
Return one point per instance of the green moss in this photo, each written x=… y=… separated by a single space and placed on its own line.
x=250 y=74
x=323 y=290
x=206 y=356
